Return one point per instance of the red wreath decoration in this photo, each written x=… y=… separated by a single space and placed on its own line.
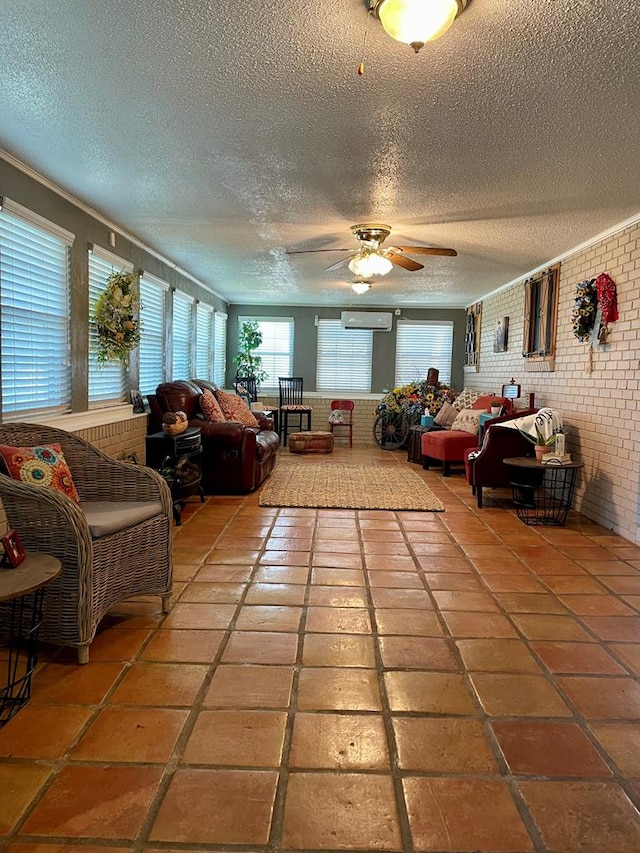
x=607 y=298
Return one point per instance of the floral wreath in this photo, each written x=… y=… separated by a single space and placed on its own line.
x=114 y=316
x=584 y=309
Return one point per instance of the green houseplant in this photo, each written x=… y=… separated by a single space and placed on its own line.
x=246 y=361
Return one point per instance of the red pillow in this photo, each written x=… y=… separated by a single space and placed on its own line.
x=235 y=409
x=40 y=466
x=211 y=408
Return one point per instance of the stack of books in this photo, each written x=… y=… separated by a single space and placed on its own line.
x=555 y=459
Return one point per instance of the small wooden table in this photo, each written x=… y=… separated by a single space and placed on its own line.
x=542 y=492
x=21 y=595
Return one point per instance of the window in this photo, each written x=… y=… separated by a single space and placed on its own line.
x=276 y=349
x=540 y=315
x=421 y=344
x=204 y=341
x=219 y=348
x=34 y=301
x=182 y=335
x=106 y=381
x=344 y=357
x=153 y=336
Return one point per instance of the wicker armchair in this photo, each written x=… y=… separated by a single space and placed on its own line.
x=99 y=568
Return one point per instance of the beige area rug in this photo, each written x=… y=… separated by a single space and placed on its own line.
x=348 y=487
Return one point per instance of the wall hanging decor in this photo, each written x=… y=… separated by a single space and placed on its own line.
x=115 y=318
x=584 y=309
x=608 y=301
x=501 y=339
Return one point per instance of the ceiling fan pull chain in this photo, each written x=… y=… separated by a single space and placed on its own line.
x=364 y=45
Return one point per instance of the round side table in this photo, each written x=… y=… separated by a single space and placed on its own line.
x=542 y=492
x=22 y=592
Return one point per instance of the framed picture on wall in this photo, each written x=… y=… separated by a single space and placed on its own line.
x=502 y=335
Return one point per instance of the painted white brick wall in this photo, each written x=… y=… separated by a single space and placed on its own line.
x=599 y=408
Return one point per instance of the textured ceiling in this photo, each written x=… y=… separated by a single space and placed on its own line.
x=223 y=133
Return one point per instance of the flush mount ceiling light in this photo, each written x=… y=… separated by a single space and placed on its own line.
x=370 y=262
x=360 y=287
x=415 y=22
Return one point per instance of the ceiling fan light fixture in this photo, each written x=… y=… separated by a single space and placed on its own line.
x=367 y=264
x=415 y=22
x=360 y=287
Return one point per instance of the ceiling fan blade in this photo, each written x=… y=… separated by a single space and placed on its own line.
x=427 y=250
x=406 y=263
x=341 y=263
x=309 y=251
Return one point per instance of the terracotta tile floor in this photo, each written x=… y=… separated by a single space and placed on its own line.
x=342 y=680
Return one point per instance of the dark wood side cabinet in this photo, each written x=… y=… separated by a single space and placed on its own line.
x=179 y=459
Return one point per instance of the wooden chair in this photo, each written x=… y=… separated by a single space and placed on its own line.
x=115 y=544
x=344 y=406
x=290 y=405
x=247 y=387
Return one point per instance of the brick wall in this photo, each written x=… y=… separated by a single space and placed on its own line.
x=118 y=440
x=598 y=398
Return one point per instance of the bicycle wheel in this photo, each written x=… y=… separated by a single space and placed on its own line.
x=390 y=432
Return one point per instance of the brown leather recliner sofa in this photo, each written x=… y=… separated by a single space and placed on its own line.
x=235 y=458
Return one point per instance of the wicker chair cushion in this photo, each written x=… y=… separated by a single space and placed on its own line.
x=106 y=517
x=43 y=465
x=211 y=408
x=235 y=409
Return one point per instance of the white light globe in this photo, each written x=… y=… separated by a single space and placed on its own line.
x=415 y=22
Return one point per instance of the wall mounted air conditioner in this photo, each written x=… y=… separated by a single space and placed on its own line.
x=379 y=321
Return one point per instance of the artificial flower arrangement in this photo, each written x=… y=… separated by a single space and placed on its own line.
x=115 y=317
x=415 y=399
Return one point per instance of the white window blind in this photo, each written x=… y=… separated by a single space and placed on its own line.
x=276 y=349
x=34 y=305
x=182 y=335
x=153 y=336
x=344 y=357
x=106 y=381
x=204 y=341
x=220 y=348
x=421 y=344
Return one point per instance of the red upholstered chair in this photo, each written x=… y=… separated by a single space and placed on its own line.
x=448 y=446
x=343 y=406
x=484 y=466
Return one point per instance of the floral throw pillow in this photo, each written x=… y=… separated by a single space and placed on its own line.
x=235 y=409
x=468 y=420
x=211 y=408
x=40 y=466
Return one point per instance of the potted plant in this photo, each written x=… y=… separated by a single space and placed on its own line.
x=542 y=431
x=496 y=406
x=247 y=362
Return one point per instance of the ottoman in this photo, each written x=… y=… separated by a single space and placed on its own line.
x=311 y=442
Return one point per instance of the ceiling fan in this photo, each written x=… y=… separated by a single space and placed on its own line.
x=371 y=259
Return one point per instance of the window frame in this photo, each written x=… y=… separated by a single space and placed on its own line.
x=208 y=310
x=18 y=217
x=162 y=288
x=445 y=379
x=267 y=385
x=220 y=328
x=358 y=337
x=540 y=317
x=117 y=371
x=178 y=295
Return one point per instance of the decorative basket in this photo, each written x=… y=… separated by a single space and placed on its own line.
x=175 y=429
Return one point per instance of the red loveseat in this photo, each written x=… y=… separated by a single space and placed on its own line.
x=235 y=458
x=448 y=446
x=484 y=465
